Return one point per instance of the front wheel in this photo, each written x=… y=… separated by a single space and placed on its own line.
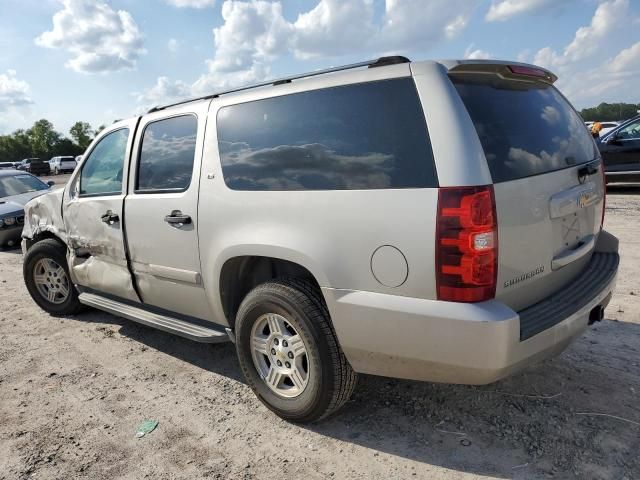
x=289 y=353
x=46 y=276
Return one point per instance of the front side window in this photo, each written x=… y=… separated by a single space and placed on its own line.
x=364 y=136
x=102 y=171
x=631 y=131
x=167 y=154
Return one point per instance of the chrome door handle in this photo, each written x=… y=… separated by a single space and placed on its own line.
x=110 y=218
x=177 y=219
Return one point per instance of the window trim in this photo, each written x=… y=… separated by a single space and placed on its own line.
x=88 y=155
x=156 y=191
x=322 y=89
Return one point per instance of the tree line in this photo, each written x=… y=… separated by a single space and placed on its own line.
x=43 y=141
x=606 y=112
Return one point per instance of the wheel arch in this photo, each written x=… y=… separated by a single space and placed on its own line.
x=240 y=274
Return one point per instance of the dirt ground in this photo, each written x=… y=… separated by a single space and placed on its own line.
x=73 y=391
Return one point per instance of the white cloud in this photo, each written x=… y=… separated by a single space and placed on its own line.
x=476 y=54
x=164 y=91
x=608 y=17
x=13 y=91
x=191 y=3
x=333 y=27
x=255 y=33
x=100 y=39
x=173 y=45
x=628 y=60
x=501 y=10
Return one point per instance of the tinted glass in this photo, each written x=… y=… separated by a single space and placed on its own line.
x=365 y=136
x=17 y=184
x=525 y=128
x=167 y=153
x=102 y=172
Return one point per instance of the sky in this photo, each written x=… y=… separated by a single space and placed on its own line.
x=101 y=60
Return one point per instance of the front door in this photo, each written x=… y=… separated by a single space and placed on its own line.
x=621 y=151
x=93 y=215
x=161 y=211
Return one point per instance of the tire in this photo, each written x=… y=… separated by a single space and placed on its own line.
x=55 y=171
x=328 y=380
x=38 y=259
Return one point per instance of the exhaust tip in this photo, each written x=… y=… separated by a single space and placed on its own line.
x=596 y=315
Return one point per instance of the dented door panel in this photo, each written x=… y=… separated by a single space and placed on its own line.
x=94 y=225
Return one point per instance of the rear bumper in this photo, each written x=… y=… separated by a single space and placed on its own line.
x=462 y=343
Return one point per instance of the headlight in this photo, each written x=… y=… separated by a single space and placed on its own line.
x=8 y=222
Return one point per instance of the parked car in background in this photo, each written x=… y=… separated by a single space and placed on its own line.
x=16 y=189
x=6 y=166
x=620 y=150
x=607 y=127
x=341 y=226
x=35 y=166
x=62 y=165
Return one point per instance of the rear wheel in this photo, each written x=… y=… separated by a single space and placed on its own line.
x=46 y=276
x=289 y=353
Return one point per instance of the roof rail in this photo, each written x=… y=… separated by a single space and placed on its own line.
x=379 y=62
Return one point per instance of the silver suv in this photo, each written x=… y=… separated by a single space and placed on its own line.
x=438 y=221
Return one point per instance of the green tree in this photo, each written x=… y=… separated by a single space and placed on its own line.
x=610 y=112
x=82 y=133
x=14 y=147
x=42 y=138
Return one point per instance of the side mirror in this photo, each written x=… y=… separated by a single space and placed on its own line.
x=612 y=139
x=51 y=183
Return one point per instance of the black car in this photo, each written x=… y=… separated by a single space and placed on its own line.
x=16 y=189
x=35 y=166
x=620 y=149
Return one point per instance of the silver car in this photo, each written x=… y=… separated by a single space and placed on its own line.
x=437 y=220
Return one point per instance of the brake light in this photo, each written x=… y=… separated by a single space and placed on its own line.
x=466 y=244
x=528 y=71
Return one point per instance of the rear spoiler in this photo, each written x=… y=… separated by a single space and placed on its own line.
x=511 y=70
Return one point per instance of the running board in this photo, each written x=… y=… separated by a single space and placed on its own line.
x=161 y=322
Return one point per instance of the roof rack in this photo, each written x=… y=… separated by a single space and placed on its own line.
x=379 y=62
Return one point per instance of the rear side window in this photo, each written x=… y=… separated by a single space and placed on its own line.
x=167 y=154
x=364 y=136
x=525 y=128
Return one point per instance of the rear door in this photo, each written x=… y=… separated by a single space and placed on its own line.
x=162 y=210
x=93 y=215
x=621 y=150
x=547 y=181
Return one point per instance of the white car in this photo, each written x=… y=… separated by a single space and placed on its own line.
x=62 y=165
x=608 y=126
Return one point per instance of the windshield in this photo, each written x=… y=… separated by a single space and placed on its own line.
x=526 y=128
x=17 y=184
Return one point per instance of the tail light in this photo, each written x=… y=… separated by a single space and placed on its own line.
x=466 y=244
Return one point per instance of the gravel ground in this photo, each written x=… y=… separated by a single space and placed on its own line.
x=73 y=390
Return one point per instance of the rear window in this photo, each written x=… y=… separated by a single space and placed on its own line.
x=525 y=128
x=364 y=136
